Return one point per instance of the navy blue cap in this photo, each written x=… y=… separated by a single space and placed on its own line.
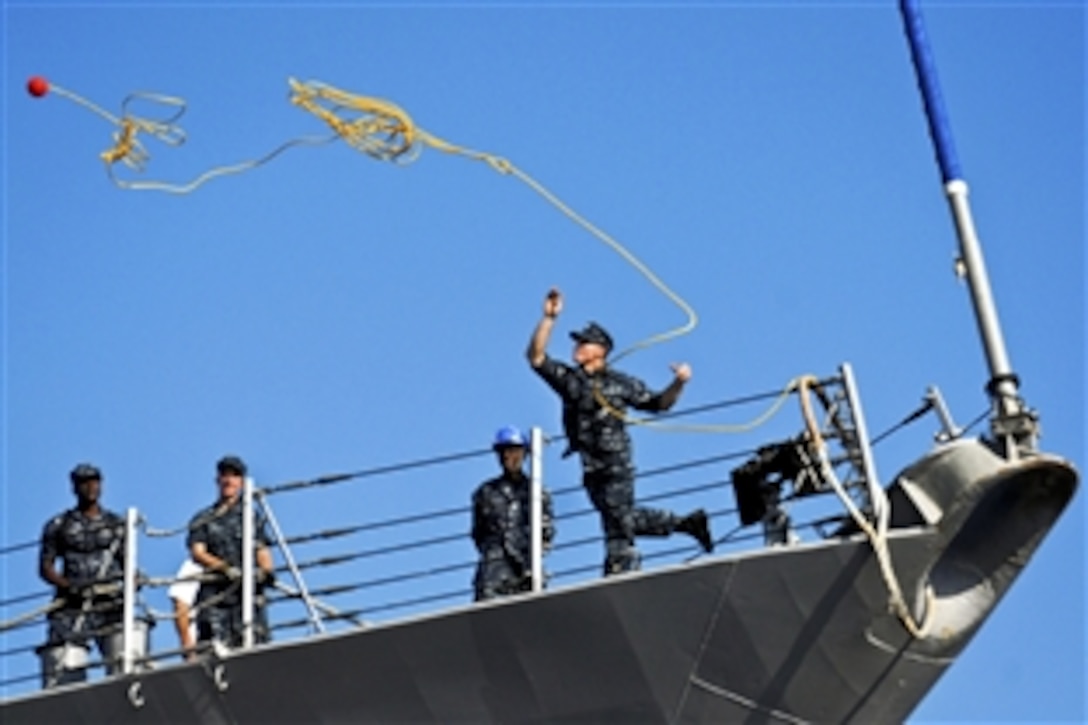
x=85 y=472
x=231 y=464
x=593 y=333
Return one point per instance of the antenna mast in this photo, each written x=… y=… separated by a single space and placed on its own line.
x=1013 y=424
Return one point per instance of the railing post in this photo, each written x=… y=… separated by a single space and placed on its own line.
x=536 y=457
x=247 y=563
x=949 y=429
x=128 y=612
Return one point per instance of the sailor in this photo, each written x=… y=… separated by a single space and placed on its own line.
x=215 y=543
x=501 y=516
x=594 y=398
x=90 y=540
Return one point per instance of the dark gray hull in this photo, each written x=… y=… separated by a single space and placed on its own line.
x=785 y=634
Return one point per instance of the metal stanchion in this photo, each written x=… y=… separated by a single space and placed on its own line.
x=247 y=563
x=536 y=456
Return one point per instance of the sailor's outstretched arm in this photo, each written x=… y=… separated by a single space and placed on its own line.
x=538 y=343
x=668 y=397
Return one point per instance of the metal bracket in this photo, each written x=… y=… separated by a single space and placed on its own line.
x=136 y=695
x=1020 y=428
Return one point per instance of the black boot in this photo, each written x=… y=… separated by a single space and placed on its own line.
x=697 y=525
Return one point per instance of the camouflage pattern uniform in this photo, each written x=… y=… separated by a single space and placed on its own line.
x=221 y=534
x=93 y=550
x=601 y=440
x=501 y=511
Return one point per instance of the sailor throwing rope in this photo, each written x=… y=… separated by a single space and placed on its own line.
x=594 y=397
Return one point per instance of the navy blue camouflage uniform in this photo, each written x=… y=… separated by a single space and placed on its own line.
x=601 y=440
x=220 y=600
x=501 y=511
x=93 y=550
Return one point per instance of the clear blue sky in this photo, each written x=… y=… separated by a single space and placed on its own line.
x=327 y=312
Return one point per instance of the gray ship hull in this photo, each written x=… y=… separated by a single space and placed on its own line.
x=786 y=634
x=787 y=629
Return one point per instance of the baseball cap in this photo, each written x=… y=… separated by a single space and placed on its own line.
x=231 y=464
x=593 y=333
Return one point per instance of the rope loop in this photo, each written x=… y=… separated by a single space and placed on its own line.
x=127 y=148
x=380 y=129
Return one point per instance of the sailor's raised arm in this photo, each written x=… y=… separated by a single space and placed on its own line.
x=538 y=343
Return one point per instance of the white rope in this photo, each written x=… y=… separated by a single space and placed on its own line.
x=878 y=539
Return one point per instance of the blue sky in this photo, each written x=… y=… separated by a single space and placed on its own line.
x=327 y=312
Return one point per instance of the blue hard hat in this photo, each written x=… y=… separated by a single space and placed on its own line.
x=510 y=436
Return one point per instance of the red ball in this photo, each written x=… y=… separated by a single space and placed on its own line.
x=37 y=86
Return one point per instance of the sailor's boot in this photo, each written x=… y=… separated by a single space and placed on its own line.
x=697 y=525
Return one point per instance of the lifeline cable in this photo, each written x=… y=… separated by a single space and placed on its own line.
x=19 y=679
x=384 y=581
x=338 y=559
x=461 y=510
x=25 y=598
x=16 y=622
x=335 y=478
x=334 y=590
x=975 y=421
x=19 y=547
x=25 y=649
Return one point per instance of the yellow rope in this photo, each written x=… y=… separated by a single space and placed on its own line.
x=801 y=382
x=386 y=132
x=128 y=149
x=373 y=126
